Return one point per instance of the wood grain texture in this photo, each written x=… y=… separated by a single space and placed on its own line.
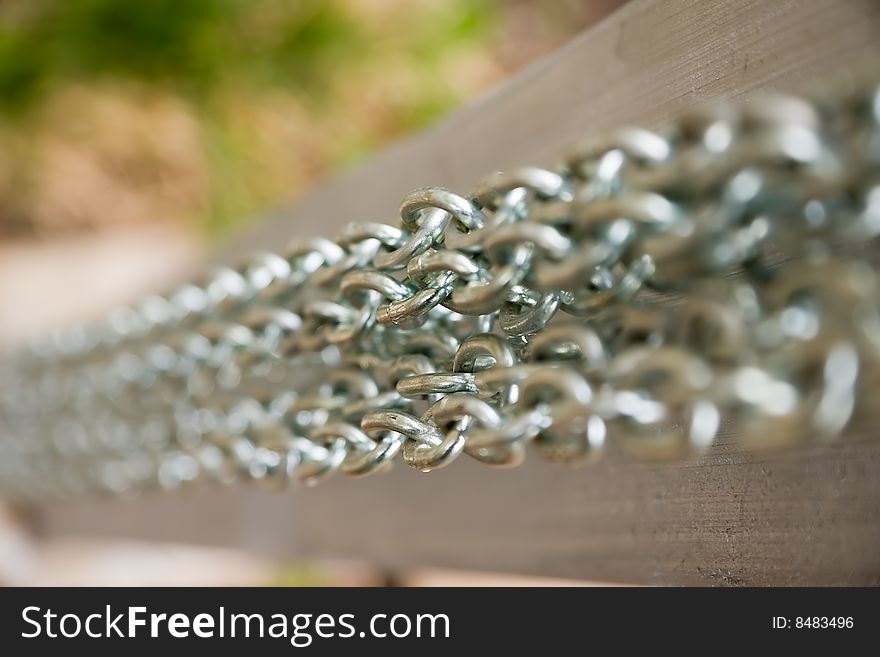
x=810 y=516
x=804 y=517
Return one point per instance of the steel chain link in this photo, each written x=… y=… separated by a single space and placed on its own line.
x=642 y=293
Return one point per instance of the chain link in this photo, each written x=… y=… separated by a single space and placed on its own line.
x=647 y=290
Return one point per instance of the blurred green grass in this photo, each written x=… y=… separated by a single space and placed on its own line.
x=208 y=112
x=197 y=46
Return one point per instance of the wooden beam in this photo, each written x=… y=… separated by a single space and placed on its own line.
x=804 y=516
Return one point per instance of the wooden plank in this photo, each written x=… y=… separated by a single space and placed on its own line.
x=806 y=516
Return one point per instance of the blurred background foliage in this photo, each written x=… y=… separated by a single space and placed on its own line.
x=206 y=113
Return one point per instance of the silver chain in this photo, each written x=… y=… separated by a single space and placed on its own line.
x=643 y=293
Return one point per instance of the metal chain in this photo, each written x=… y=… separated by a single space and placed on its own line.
x=642 y=293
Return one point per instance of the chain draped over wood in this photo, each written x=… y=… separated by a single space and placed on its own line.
x=642 y=293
